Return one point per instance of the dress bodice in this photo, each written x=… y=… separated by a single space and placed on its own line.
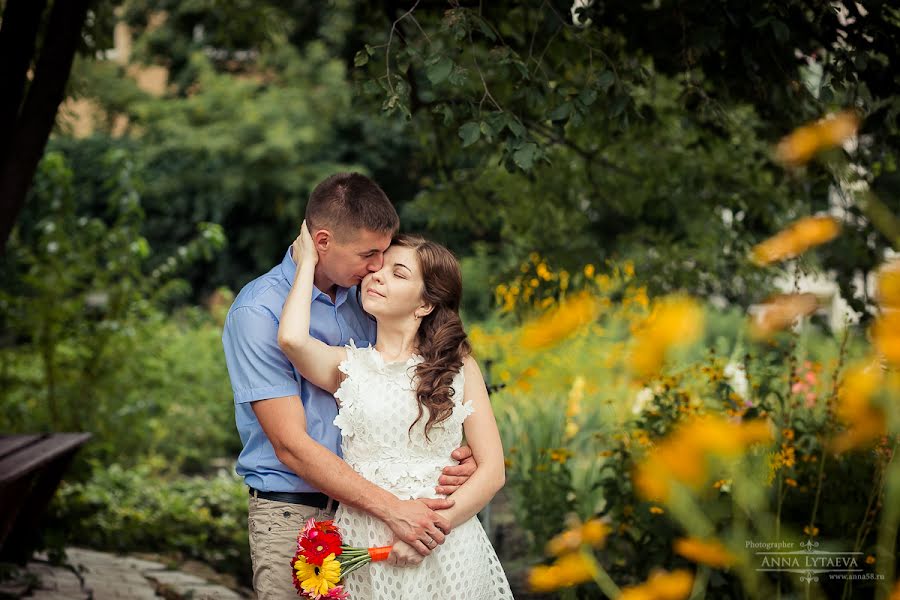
x=377 y=406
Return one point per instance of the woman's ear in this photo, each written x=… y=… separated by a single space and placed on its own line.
x=424 y=310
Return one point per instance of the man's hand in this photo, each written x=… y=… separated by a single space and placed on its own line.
x=416 y=523
x=453 y=477
x=403 y=555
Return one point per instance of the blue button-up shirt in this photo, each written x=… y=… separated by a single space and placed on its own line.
x=259 y=369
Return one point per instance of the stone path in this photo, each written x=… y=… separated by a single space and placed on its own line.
x=101 y=576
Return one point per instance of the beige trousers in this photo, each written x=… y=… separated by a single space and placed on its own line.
x=273 y=528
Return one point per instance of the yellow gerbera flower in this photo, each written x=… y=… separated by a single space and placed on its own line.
x=318 y=579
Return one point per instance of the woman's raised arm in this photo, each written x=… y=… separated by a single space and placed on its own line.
x=316 y=361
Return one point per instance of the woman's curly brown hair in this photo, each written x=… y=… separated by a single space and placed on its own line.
x=441 y=340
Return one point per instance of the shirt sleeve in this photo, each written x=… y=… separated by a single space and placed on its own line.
x=256 y=365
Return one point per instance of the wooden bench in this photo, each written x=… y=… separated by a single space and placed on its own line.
x=31 y=468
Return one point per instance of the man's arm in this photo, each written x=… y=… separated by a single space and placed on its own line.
x=284 y=422
x=484 y=439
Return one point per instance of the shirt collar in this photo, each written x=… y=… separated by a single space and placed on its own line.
x=289 y=271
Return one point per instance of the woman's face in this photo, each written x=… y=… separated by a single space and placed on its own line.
x=395 y=290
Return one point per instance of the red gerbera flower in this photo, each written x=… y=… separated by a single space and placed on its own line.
x=317 y=545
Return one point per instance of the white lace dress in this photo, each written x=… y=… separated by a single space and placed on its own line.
x=378 y=405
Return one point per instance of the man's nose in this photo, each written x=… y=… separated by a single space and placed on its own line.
x=375 y=264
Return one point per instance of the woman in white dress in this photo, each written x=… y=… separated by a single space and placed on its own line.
x=404 y=406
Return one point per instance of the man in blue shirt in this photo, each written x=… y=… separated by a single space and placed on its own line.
x=291 y=457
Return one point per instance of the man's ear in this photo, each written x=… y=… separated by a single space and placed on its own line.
x=323 y=239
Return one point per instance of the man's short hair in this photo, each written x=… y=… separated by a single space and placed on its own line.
x=346 y=202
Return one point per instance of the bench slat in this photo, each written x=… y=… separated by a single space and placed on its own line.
x=39 y=453
x=11 y=443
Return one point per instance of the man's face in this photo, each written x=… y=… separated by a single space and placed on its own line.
x=346 y=263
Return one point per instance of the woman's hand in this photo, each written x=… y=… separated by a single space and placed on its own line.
x=404 y=555
x=304 y=250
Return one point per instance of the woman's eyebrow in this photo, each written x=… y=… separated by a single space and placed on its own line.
x=404 y=266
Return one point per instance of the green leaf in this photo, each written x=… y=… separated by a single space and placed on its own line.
x=360 y=59
x=516 y=128
x=781 y=31
x=588 y=96
x=560 y=112
x=439 y=70
x=605 y=80
x=524 y=156
x=469 y=133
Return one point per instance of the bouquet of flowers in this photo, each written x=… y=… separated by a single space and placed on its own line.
x=322 y=561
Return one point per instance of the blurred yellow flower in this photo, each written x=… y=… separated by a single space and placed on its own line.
x=589 y=271
x=865 y=422
x=888 y=286
x=886 y=336
x=682 y=456
x=591 y=533
x=796 y=239
x=655 y=510
x=779 y=312
x=576 y=394
x=895 y=595
x=559 y=323
x=569 y=570
x=675 y=320
x=804 y=142
x=661 y=585
x=708 y=552
x=544 y=272
x=811 y=531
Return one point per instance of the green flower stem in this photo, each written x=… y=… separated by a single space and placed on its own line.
x=880 y=216
x=601 y=577
x=698 y=592
x=887 y=531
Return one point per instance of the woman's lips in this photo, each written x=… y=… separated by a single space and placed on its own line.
x=372 y=292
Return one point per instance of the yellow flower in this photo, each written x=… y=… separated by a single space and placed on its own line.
x=576 y=394
x=560 y=455
x=804 y=142
x=796 y=239
x=559 y=323
x=889 y=285
x=779 y=312
x=865 y=422
x=661 y=585
x=543 y=272
x=895 y=595
x=682 y=456
x=886 y=336
x=591 y=533
x=790 y=482
x=870 y=560
x=589 y=271
x=811 y=531
x=569 y=570
x=708 y=552
x=673 y=321
x=655 y=510
x=318 y=579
